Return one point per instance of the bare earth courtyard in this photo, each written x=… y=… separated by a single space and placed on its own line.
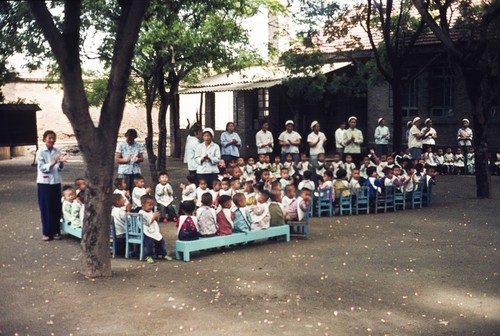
x=431 y=271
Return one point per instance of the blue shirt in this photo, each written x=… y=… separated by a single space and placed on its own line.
x=242 y=220
x=231 y=149
x=126 y=150
x=44 y=158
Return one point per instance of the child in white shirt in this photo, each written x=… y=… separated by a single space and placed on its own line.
x=349 y=166
x=119 y=215
x=202 y=189
x=289 y=202
x=261 y=218
x=207 y=217
x=154 y=244
x=121 y=189
x=189 y=189
x=139 y=191
x=164 y=197
x=306 y=181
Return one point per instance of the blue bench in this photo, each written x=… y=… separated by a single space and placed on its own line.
x=186 y=247
x=76 y=232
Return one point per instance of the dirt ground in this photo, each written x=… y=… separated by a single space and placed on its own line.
x=430 y=271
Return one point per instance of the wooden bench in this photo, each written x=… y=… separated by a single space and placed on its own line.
x=186 y=247
x=76 y=232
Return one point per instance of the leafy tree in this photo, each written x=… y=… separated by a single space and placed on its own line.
x=473 y=45
x=96 y=142
x=201 y=37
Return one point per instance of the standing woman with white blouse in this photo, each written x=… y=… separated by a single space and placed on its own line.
x=50 y=162
x=290 y=142
x=382 y=136
x=316 y=141
x=464 y=137
x=207 y=156
x=192 y=141
x=264 y=139
x=429 y=136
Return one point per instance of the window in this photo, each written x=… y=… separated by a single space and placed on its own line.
x=263 y=102
x=441 y=86
x=409 y=95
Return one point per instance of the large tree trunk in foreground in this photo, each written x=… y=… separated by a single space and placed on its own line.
x=97 y=144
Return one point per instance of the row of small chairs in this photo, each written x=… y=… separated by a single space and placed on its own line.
x=392 y=199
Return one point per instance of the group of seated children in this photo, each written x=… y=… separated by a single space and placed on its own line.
x=72 y=203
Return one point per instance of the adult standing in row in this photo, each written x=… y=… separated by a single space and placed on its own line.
x=339 y=139
x=264 y=139
x=353 y=138
x=50 y=162
x=415 y=139
x=290 y=142
x=207 y=157
x=429 y=136
x=128 y=156
x=382 y=136
x=464 y=137
x=316 y=141
x=192 y=141
x=230 y=143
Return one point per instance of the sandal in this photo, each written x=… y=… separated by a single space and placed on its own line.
x=45 y=238
x=57 y=237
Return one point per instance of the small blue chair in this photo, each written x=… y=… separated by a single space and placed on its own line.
x=134 y=233
x=345 y=203
x=386 y=200
x=427 y=193
x=400 y=198
x=324 y=203
x=301 y=228
x=363 y=200
x=416 y=195
x=113 y=238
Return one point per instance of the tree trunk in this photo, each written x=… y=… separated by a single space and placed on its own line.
x=162 y=122
x=397 y=115
x=174 y=119
x=150 y=91
x=97 y=144
x=480 y=100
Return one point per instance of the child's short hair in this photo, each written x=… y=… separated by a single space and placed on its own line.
x=370 y=170
x=138 y=178
x=118 y=181
x=200 y=181
x=305 y=190
x=264 y=194
x=79 y=180
x=188 y=207
x=264 y=170
x=259 y=186
x=419 y=167
x=328 y=173
x=341 y=173
x=216 y=182
x=239 y=198
x=225 y=179
x=288 y=188
x=67 y=187
x=206 y=199
x=275 y=184
x=224 y=198
x=386 y=170
x=163 y=173
x=275 y=195
x=283 y=169
x=191 y=178
x=146 y=198
x=307 y=174
x=115 y=198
